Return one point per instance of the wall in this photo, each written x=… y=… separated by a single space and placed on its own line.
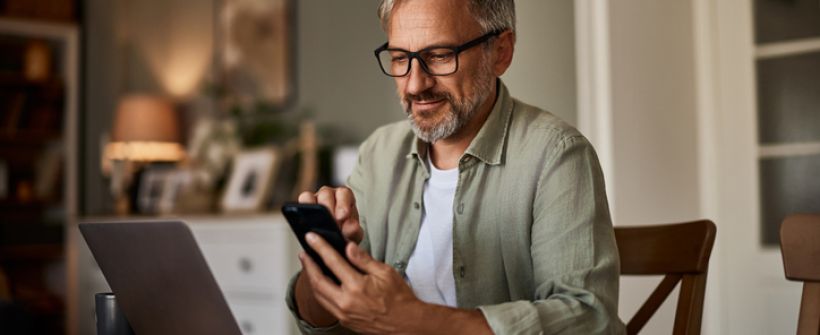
x=99 y=75
x=134 y=46
x=338 y=79
x=654 y=128
x=543 y=68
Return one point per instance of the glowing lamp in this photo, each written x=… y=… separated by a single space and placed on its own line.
x=146 y=129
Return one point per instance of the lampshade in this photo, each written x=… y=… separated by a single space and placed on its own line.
x=146 y=128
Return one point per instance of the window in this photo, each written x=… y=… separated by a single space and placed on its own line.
x=787 y=34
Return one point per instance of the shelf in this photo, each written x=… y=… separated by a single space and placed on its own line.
x=16 y=80
x=29 y=137
x=32 y=252
x=38 y=204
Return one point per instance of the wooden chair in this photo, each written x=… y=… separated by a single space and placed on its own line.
x=800 y=244
x=678 y=251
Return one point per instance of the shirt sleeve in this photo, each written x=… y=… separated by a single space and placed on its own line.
x=304 y=327
x=575 y=259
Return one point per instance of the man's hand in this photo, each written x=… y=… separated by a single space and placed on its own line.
x=376 y=302
x=342 y=205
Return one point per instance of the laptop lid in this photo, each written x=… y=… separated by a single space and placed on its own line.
x=161 y=281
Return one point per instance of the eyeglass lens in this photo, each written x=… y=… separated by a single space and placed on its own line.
x=435 y=61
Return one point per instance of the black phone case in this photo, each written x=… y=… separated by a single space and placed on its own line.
x=304 y=218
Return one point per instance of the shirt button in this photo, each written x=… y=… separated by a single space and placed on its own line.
x=416 y=205
x=461 y=208
x=398 y=265
x=461 y=271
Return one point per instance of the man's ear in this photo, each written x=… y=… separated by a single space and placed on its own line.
x=504 y=49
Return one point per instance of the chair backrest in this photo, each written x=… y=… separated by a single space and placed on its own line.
x=680 y=252
x=800 y=245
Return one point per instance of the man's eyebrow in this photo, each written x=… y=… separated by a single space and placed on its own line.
x=435 y=45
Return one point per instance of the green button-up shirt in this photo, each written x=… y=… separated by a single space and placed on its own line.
x=533 y=245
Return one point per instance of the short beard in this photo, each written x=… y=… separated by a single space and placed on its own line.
x=461 y=110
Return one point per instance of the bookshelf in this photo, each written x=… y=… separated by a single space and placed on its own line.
x=38 y=183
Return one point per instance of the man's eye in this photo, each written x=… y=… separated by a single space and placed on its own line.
x=439 y=57
x=399 y=58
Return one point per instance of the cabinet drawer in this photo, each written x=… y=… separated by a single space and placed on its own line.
x=262 y=319
x=253 y=257
x=259 y=268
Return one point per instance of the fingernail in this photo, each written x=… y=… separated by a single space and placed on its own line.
x=310 y=237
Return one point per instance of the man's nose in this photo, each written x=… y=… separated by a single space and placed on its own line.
x=417 y=79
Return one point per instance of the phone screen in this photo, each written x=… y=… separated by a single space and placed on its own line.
x=304 y=218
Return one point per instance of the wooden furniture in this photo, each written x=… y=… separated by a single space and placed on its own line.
x=680 y=252
x=38 y=159
x=251 y=256
x=800 y=245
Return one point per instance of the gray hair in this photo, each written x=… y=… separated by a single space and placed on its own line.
x=492 y=15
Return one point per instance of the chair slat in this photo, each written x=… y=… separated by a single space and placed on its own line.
x=690 y=304
x=651 y=305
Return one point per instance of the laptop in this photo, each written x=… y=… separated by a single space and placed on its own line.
x=159 y=277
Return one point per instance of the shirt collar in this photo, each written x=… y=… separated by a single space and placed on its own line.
x=488 y=145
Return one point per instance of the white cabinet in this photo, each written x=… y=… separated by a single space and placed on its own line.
x=251 y=257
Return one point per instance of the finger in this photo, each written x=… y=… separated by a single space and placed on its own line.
x=326 y=196
x=330 y=306
x=337 y=264
x=361 y=259
x=321 y=284
x=345 y=204
x=352 y=231
x=307 y=198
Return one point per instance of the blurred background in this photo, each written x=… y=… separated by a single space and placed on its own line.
x=217 y=111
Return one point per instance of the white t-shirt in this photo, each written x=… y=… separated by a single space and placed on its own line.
x=430 y=268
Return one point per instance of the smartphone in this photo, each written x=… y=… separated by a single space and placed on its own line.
x=304 y=218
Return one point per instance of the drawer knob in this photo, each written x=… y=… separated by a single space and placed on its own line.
x=247 y=327
x=245 y=264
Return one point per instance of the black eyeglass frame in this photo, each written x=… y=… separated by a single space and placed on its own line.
x=417 y=54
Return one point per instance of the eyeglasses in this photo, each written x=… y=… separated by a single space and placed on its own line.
x=435 y=60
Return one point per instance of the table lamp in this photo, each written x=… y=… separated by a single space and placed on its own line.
x=145 y=130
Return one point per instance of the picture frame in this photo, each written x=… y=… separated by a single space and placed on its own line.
x=256 y=50
x=251 y=179
x=176 y=184
x=152 y=184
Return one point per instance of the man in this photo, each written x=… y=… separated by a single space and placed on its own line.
x=480 y=215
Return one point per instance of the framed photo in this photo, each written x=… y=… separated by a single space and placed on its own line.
x=151 y=188
x=257 y=49
x=176 y=183
x=250 y=181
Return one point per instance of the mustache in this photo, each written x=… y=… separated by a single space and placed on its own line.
x=428 y=95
